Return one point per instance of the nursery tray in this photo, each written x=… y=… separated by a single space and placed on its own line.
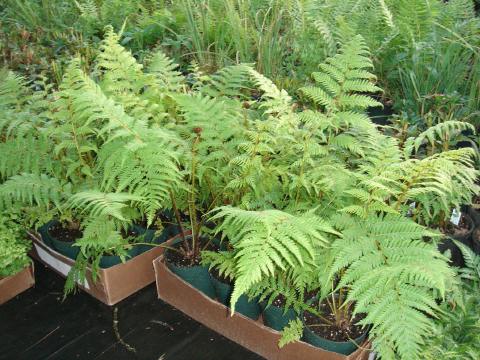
x=13 y=285
x=112 y=284
x=251 y=334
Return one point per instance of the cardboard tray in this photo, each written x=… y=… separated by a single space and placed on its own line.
x=252 y=335
x=13 y=285
x=112 y=284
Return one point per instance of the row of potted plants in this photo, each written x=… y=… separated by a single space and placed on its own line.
x=306 y=211
x=16 y=270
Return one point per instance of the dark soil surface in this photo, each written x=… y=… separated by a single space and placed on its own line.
x=178 y=258
x=279 y=301
x=462 y=229
x=128 y=234
x=345 y=332
x=62 y=233
x=39 y=325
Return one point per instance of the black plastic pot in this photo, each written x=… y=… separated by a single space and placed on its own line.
x=475 y=215
x=243 y=306
x=341 y=347
x=198 y=276
x=65 y=248
x=476 y=240
x=447 y=244
x=277 y=318
x=43 y=231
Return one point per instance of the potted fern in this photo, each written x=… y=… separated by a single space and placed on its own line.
x=449 y=215
x=367 y=234
x=82 y=151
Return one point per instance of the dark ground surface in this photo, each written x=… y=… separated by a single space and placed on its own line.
x=38 y=325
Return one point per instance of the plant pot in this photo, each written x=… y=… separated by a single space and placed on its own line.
x=108 y=261
x=251 y=334
x=475 y=215
x=341 y=347
x=146 y=236
x=43 y=231
x=476 y=240
x=149 y=236
x=250 y=309
x=466 y=239
x=66 y=248
x=276 y=318
x=197 y=275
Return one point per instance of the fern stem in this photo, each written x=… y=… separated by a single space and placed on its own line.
x=177 y=216
x=191 y=205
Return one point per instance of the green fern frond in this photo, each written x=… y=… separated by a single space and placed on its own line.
x=148 y=171
x=97 y=203
x=343 y=78
x=230 y=81
x=293 y=332
x=441 y=133
x=120 y=71
x=33 y=189
x=393 y=277
x=165 y=74
x=12 y=90
x=271 y=239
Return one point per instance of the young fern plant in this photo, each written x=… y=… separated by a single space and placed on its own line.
x=271 y=239
x=107 y=165
x=456 y=329
x=369 y=236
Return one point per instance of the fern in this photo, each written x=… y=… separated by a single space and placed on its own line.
x=392 y=276
x=165 y=74
x=293 y=332
x=230 y=81
x=98 y=204
x=342 y=78
x=33 y=189
x=441 y=134
x=271 y=239
x=149 y=172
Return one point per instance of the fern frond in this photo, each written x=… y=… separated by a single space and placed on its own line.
x=343 y=78
x=293 y=332
x=33 y=189
x=271 y=239
x=230 y=81
x=97 y=203
x=165 y=74
x=386 y=265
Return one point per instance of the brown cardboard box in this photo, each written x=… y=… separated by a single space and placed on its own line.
x=13 y=285
x=252 y=335
x=112 y=284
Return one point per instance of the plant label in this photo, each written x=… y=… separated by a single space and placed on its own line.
x=456 y=216
x=411 y=208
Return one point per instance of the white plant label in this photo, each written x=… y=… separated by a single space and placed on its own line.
x=411 y=208
x=456 y=216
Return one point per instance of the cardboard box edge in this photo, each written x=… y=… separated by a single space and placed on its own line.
x=18 y=283
x=100 y=288
x=318 y=354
